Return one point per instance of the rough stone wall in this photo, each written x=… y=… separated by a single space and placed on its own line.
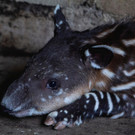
x=27 y=25
x=63 y=3
x=117 y=7
x=123 y=8
x=30 y=26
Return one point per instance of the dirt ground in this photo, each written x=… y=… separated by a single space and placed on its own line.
x=97 y=126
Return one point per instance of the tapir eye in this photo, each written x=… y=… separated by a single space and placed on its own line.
x=53 y=84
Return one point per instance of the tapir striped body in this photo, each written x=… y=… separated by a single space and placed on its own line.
x=78 y=75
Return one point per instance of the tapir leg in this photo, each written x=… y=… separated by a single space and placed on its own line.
x=93 y=104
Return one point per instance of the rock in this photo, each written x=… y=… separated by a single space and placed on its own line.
x=118 y=7
x=63 y=3
x=25 y=26
x=83 y=18
x=30 y=26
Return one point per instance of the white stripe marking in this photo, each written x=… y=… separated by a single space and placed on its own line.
x=133 y=113
x=87 y=53
x=129 y=42
x=104 y=33
x=58 y=25
x=117 y=115
x=113 y=49
x=108 y=73
x=117 y=98
x=66 y=78
x=96 y=101
x=130 y=73
x=87 y=101
x=85 y=106
x=119 y=51
x=87 y=95
x=110 y=104
x=119 y=107
x=101 y=94
x=94 y=65
x=65 y=111
x=123 y=87
x=125 y=96
x=56 y=9
x=132 y=63
x=103 y=46
x=61 y=110
x=72 y=116
x=65 y=119
x=61 y=22
x=101 y=112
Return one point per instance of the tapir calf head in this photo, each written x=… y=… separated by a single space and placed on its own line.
x=60 y=73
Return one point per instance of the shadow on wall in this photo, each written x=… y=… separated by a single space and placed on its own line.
x=4 y=85
x=12 y=65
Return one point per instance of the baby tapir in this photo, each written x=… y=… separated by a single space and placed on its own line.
x=78 y=75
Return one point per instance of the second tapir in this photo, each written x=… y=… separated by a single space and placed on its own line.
x=78 y=75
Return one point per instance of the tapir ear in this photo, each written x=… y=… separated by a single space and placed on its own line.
x=98 y=56
x=61 y=24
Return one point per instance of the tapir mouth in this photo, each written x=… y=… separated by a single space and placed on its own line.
x=24 y=113
x=20 y=114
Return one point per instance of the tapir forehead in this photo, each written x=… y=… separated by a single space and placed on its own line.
x=57 y=53
x=51 y=63
x=54 y=67
x=53 y=51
